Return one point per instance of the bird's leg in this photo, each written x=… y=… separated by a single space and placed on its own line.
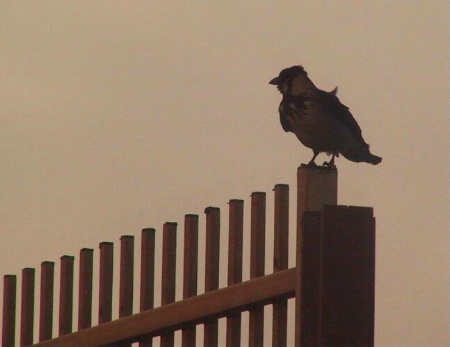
x=311 y=162
x=330 y=164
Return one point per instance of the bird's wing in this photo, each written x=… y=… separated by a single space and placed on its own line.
x=283 y=118
x=341 y=112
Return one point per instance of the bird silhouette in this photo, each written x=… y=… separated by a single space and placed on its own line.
x=319 y=120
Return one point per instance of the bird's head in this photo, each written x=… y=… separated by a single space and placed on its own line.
x=293 y=80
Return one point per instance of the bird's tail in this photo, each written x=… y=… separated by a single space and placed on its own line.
x=373 y=159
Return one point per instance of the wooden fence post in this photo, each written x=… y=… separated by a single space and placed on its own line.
x=85 y=288
x=46 y=301
x=212 y=252
x=235 y=247
x=190 y=270
x=280 y=261
x=66 y=295
x=169 y=261
x=257 y=264
x=147 y=276
x=9 y=310
x=335 y=270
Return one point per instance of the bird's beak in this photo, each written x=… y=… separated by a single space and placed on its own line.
x=275 y=81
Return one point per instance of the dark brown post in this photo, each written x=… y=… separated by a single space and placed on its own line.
x=105 y=282
x=316 y=187
x=169 y=255
x=347 y=276
x=126 y=275
x=257 y=263
x=66 y=295
x=147 y=276
x=9 y=310
x=190 y=265
x=212 y=252
x=85 y=288
x=280 y=261
x=46 y=301
x=27 y=308
x=235 y=242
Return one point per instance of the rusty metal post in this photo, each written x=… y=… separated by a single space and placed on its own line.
x=280 y=261
x=105 y=282
x=9 y=310
x=66 y=295
x=316 y=187
x=169 y=261
x=46 y=301
x=257 y=263
x=147 y=276
x=212 y=253
x=85 y=288
x=235 y=246
x=190 y=266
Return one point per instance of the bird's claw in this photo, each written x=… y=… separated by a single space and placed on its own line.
x=329 y=165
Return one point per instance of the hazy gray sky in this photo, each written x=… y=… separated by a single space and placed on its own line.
x=121 y=115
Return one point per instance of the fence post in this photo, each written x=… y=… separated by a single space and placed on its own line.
x=9 y=310
x=46 y=301
x=169 y=261
x=147 y=276
x=235 y=246
x=105 y=282
x=212 y=252
x=316 y=187
x=190 y=266
x=280 y=261
x=257 y=263
x=85 y=288
x=66 y=295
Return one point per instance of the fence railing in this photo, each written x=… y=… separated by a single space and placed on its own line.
x=332 y=283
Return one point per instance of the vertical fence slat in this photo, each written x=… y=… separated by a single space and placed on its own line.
x=126 y=275
x=257 y=263
x=235 y=245
x=147 y=291
x=168 y=273
x=126 y=278
x=105 y=282
x=46 y=300
x=9 y=310
x=27 y=308
x=85 y=288
x=212 y=252
x=280 y=261
x=66 y=295
x=190 y=266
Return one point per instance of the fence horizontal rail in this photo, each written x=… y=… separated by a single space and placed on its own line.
x=198 y=309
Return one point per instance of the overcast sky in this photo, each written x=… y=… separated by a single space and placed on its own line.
x=116 y=116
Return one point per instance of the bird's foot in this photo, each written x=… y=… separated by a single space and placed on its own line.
x=310 y=164
x=329 y=164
